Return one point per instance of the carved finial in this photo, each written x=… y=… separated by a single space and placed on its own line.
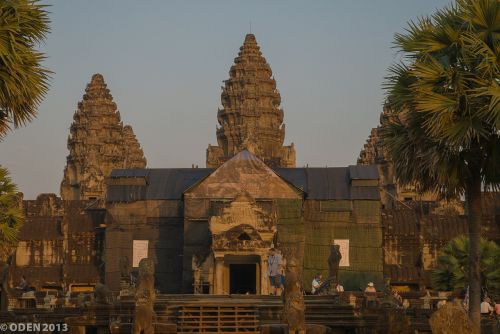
x=97 y=79
x=250 y=38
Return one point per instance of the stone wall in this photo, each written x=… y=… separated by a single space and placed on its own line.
x=413 y=238
x=358 y=222
x=60 y=243
x=158 y=221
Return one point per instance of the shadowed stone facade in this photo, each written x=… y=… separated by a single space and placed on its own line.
x=251 y=117
x=205 y=226
x=60 y=244
x=98 y=143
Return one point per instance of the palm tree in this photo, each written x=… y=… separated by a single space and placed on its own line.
x=443 y=131
x=452 y=265
x=23 y=80
x=11 y=216
x=11 y=220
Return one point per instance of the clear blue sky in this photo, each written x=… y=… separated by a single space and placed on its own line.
x=164 y=62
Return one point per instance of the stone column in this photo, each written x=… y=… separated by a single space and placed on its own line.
x=264 y=280
x=219 y=276
x=211 y=281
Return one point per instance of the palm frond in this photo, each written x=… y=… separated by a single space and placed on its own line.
x=23 y=79
x=452 y=265
x=11 y=215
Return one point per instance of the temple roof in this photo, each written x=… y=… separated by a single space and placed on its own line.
x=325 y=183
x=333 y=183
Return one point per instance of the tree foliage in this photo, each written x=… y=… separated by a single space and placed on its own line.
x=444 y=95
x=24 y=24
x=452 y=265
x=11 y=216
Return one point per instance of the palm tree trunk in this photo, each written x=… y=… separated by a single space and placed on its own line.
x=474 y=219
x=4 y=286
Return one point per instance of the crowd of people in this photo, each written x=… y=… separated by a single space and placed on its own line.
x=276 y=273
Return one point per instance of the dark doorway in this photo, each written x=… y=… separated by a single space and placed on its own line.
x=242 y=278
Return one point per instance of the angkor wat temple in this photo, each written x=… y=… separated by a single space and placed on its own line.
x=208 y=230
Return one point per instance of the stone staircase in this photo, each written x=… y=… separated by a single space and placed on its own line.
x=223 y=318
x=246 y=314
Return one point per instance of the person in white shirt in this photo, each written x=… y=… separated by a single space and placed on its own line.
x=486 y=307
x=370 y=295
x=316 y=283
x=274 y=262
x=339 y=288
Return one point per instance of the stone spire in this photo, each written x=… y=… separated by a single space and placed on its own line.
x=98 y=143
x=375 y=153
x=251 y=117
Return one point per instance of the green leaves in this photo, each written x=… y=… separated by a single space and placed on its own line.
x=452 y=265
x=448 y=90
x=11 y=216
x=23 y=80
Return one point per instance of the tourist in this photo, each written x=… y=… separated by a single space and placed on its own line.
x=441 y=303
x=282 y=273
x=406 y=304
x=370 y=287
x=427 y=300
x=465 y=302
x=274 y=266
x=23 y=285
x=282 y=280
x=67 y=299
x=371 y=295
x=397 y=298
x=316 y=283
x=133 y=276
x=486 y=307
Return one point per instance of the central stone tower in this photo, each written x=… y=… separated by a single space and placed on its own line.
x=251 y=117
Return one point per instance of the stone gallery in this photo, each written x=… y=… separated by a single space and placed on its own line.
x=209 y=230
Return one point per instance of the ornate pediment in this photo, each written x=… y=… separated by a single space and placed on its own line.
x=244 y=172
x=242 y=225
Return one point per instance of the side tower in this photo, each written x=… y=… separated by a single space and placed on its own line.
x=375 y=153
x=98 y=143
x=251 y=117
